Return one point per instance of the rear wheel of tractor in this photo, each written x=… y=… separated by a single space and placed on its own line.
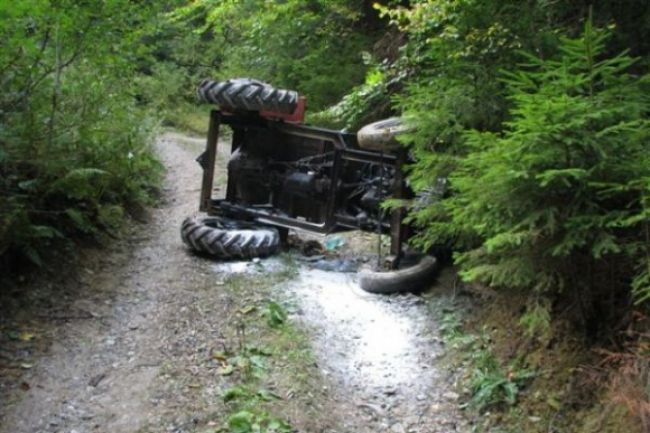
x=413 y=275
x=381 y=136
x=247 y=94
x=229 y=239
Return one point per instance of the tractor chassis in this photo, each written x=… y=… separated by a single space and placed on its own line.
x=327 y=209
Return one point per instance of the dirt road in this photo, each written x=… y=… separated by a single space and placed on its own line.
x=131 y=341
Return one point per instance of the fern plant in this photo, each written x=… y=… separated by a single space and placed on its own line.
x=560 y=198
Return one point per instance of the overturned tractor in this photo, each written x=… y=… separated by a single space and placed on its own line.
x=284 y=174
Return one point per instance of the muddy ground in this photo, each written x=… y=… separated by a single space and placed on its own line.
x=135 y=337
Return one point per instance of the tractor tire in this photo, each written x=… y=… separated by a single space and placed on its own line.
x=409 y=279
x=247 y=94
x=380 y=136
x=229 y=239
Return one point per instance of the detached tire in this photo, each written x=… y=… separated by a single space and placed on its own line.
x=229 y=239
x=381 y=136
x=411 y=278
x=247 y=94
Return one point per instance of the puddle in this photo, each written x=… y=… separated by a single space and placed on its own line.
x=256 y=266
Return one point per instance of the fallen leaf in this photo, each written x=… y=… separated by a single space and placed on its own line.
x=248 y=309
x=219 y=355
x=554 y=403
x=27 y=336
x=226 y=370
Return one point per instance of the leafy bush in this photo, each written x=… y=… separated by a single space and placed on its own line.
x=74 y=145
x=545 y=169
x=560 y=198
x=311 y=46
x=363 y=104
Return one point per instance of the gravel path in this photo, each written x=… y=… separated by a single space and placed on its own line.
x=122 y=344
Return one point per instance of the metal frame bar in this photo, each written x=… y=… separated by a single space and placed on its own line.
x=210 y=161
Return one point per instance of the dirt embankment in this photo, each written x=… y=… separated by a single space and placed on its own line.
x=137 y=339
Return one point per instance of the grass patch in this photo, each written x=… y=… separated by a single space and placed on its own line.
x=488 y=382
x=263 y=346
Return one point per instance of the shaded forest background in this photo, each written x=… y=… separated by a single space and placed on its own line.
x=536 y=113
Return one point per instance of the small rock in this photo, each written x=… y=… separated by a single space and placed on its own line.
x=450 y=395
x=94 y=381
x=390 y=391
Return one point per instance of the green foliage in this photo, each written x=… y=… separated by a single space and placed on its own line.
x=451 y=328
x=248 y=402
x=491 y=384
x=251 y=362
x=536 y=322
x=75 y=145
x=361 y=105
x=251 y=422
x=312 y=46
x=244 y=393
x=452 y=61
x=565 y=186
x=275 y=314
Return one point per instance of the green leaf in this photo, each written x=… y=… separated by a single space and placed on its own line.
x=236 y=392
x=275 y=314
x=44 y=232
x=268 y=395
x=28 y=185
x=241 y=422
x=80 y=220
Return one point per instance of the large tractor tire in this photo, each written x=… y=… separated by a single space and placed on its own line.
x=229 y=239
x=413 y=276
x=247 y=94
x=381 y=136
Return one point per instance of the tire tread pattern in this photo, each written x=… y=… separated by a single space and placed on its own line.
x=208 y=235
x=247 y=94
